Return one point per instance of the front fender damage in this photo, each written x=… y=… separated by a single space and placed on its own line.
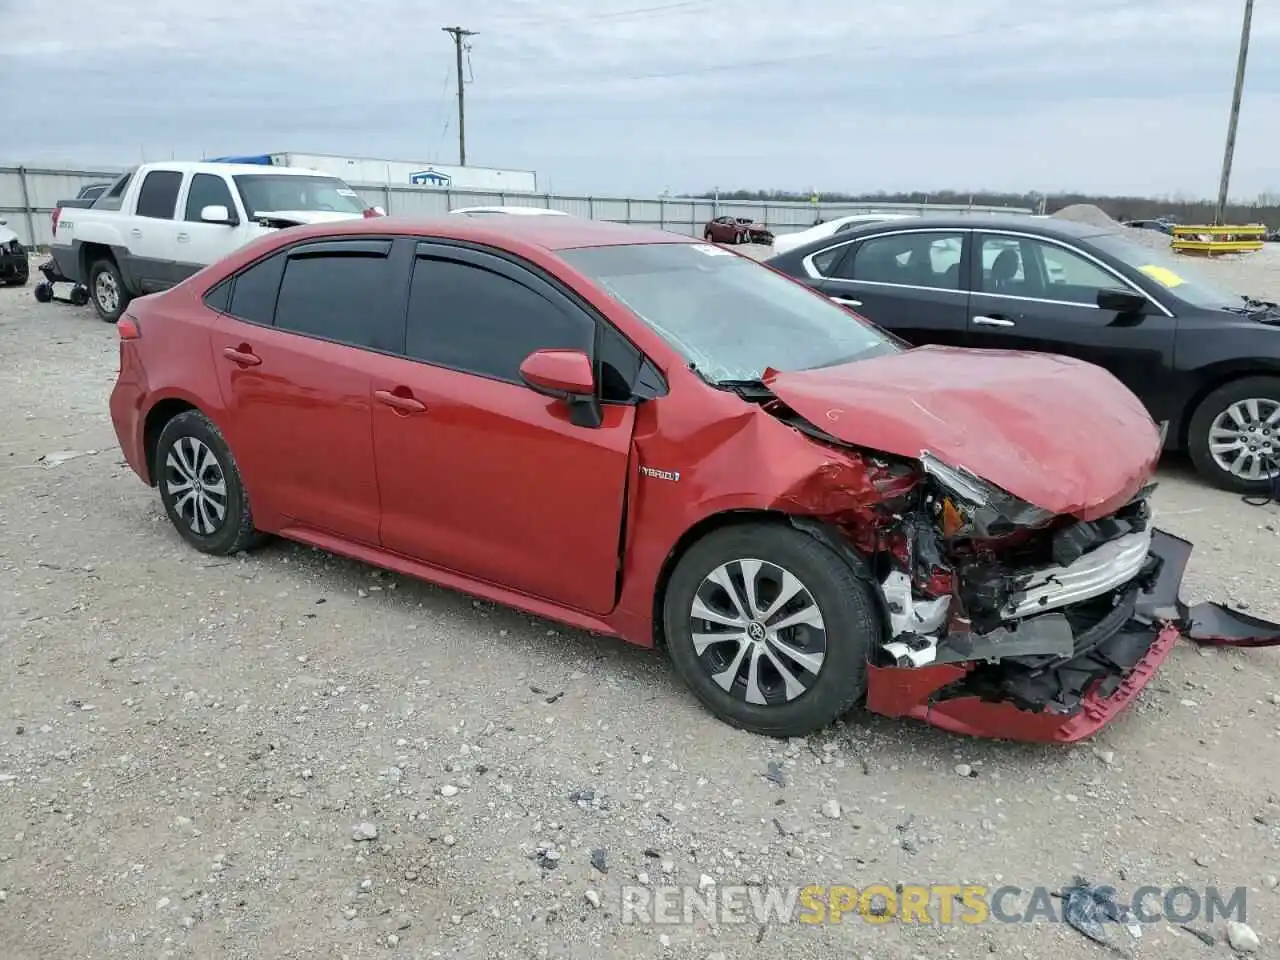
x=1038 y=630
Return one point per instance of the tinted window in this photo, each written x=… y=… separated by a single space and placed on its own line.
x=827 y=261
x=469 y=318
x=208 y=190
x=727 y=315
x=1023 y=267
x=219 y=298
x=908 y=259
x=254 y=296
x=118 y=188
x=338 y=296
x=159 y=194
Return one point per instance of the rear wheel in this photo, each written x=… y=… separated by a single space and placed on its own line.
x=107 y=290
x=200 y=486
x=1234 y=435
x=770 y=628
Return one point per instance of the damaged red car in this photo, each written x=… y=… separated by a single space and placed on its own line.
x=646 y=436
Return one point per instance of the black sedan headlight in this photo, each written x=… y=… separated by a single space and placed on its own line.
x=972 y=507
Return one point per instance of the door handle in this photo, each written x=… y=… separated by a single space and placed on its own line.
x=135 y=232
x=847 y=301
x=993 y=322
x=183 y=237
x=404 y=402
x=242 y=355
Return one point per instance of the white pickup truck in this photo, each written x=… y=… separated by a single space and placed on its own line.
x=161 y=222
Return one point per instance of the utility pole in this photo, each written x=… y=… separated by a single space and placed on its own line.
x=459 y=35
x=1235 y=113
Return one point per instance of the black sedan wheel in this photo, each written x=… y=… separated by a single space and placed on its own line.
x=770 y=629
x=1234 y=436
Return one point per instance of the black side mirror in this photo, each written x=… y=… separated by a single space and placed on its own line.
x=1125 y=303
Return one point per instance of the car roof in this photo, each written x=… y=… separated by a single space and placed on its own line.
x=1046 y=226
x=549 y=233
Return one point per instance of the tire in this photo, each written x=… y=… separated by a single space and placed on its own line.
x=79 y=296
x=19 y=281
x=192 y=440
x=849 y=618
x=104 y=277
x=1266 y=438
x=43 y=292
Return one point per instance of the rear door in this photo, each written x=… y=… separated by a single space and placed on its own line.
x=478 y=473
x=911 y=282
x=1038 y=293
x=152 y=232
x=294 y=351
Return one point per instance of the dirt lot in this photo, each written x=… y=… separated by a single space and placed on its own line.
x=190 y=747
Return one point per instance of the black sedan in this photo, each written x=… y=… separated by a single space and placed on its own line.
x=1203 y=359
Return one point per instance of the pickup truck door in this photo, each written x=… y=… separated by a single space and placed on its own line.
x=151 y=233
x=200 y=243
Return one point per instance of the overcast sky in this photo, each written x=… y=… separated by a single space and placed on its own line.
x=637 y=96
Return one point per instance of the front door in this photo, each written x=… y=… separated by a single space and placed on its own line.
x=200 y=244
x=478 y=473
x=910 y=282
x=293 y=353
x=1033 y=293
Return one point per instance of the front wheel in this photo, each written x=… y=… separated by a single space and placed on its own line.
x=107 y=290
x=200 y=486
x=770 y=628
x=1234 y=435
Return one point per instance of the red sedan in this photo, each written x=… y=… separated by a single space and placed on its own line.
x=642 y=435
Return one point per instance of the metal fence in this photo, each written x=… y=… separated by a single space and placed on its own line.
x=28 y=196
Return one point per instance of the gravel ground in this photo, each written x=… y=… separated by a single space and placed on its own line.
x=292 y=755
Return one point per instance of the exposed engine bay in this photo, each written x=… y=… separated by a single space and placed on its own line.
x=1003 y=618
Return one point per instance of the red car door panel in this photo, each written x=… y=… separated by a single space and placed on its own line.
x=296 y=381
x=479 y=473
x=299 y=424
x=492 y=480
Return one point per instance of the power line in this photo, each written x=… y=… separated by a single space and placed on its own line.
x=459 y=34
x=1229 y=153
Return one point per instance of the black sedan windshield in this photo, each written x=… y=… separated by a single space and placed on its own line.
x=728 y=316
x=1169 y=272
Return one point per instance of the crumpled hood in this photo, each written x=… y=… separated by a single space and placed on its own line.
x=1059 y=433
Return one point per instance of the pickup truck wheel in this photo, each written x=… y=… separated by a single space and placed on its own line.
x=200 y=486
x=1234 y=435
x=107 y=290
x=770 y=628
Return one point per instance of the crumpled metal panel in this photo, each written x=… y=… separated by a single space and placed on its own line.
x=1013 y=419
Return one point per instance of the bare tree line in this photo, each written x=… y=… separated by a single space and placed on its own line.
x=1181 y=207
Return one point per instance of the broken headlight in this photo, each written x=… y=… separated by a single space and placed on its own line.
x=972 y=507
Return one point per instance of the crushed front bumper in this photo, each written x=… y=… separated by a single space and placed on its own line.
x=1098 y=685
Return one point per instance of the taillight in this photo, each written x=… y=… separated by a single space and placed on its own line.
x=128 y=328
x=57 y=212
x=371 y=212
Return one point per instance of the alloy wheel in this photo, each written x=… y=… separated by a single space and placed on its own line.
x=758 y=632
x=1244 y=439
x=106 y=292
x=193 y=477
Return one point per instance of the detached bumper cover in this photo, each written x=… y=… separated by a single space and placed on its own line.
x=1101 y=683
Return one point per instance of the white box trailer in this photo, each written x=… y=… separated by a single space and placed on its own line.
x=397 y=173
